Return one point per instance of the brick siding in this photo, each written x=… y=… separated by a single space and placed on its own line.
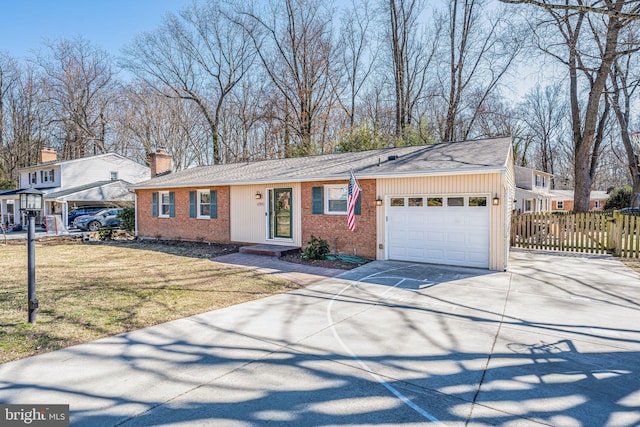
x=328 y=227
x=362 y=241
x=181 y=227
x=568 y=205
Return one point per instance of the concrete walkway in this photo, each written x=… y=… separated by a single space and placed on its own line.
x=297 y=273
x=553 y=341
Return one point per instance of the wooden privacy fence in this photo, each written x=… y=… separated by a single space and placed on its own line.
x=583 y=232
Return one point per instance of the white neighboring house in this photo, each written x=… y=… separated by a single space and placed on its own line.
x=532 y=190
x=100 y=180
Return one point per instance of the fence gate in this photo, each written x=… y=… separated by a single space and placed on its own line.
x=583 y=232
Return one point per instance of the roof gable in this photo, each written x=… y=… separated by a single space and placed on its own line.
x=78 y=160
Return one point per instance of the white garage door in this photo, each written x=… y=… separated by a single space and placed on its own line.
x=451 y=230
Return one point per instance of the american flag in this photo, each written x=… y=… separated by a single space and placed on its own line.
x=354 y=192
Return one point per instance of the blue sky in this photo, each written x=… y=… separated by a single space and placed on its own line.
x=109 y=24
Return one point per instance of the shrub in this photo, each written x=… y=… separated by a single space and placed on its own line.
x=316 y=249
x=106 y=233
x=360 y=139
x=619 y=198
x=127 y=219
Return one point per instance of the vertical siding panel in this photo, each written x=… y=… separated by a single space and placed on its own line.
x=249 y=222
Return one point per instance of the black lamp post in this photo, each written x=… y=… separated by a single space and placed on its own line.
x=31 y=203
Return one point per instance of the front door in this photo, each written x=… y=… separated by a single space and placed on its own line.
x=280 y=213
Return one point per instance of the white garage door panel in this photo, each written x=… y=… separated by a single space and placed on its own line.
x=456 y=237
x=441 y=235
x=436 y=236
x=415 y=253
x=480 y=222
x=436 y=220
x=477 y=257
x=454 y=255
x=476 y=239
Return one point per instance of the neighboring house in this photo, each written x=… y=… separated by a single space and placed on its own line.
x=447 y=203
x=562 y=200
x=100 y=180
x=532 y=190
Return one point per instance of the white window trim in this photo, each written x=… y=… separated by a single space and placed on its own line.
x=326 y=199
x=524 y=205
x=559 y=204
x=540 y=181
x=160 y=214
x=199 y=203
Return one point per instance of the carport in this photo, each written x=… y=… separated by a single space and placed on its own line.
x=96 y=194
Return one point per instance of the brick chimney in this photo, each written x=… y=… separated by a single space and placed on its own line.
x=160 y=162
x=47 y=155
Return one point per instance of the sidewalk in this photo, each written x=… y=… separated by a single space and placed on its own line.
x=303 y=275
x=40 y=233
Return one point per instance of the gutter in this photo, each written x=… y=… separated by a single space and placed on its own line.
x=341 y=177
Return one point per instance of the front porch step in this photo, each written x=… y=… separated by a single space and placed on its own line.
x=269 y=250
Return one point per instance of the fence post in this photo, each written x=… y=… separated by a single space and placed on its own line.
x=615 y=234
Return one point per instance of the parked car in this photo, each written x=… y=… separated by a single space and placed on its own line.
x=74 y=213
x=103 y=218
x=629 y=211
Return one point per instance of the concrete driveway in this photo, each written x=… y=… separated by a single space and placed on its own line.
x=553 y=341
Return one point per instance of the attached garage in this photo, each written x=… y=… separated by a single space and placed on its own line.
x=439 y=229
x=446 y=203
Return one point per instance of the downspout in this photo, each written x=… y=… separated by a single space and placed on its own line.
x=507 y=218
x=135 y=211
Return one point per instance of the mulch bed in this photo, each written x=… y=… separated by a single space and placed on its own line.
x=327 y=263
x=192 y=249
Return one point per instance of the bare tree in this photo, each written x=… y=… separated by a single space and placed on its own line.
x=584 y=38
x=544 y=110
x=198 y=56
x=625 y=82
x=23 y=119
x=294 y=42
x=243 y=121
x=150 y=120
x=478 y=51
x=79 y=81
x=356 y=50
x=8 y=78
x=412 y=52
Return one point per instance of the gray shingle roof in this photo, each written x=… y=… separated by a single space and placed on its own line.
x=85 y=187
x=64 y=162
x=455 y=157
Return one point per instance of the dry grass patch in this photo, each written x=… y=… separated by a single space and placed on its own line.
x=634 y=263
x=90 y=291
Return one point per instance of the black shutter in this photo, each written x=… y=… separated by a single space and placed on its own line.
x=172 y=204
x=154 y=204
x=213 y=204
x=192 y=204
x=316 y=200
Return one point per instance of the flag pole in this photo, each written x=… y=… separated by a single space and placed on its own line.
x=360 y=187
